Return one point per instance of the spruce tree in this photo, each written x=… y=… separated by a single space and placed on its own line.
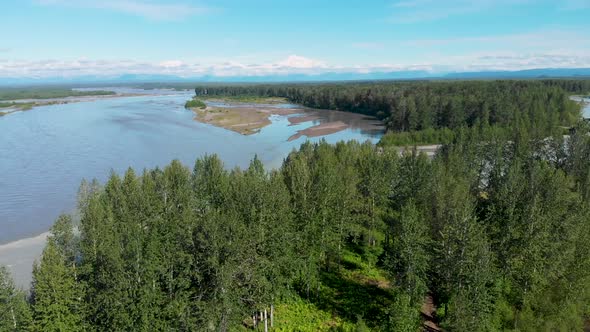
x=57 y=298
x=15 y=313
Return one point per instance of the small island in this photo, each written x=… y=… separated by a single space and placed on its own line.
x=247 y=115
x=243 y=117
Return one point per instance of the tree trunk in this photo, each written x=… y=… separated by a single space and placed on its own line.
x=265 y=322
x=13 y=317
x=272 y=314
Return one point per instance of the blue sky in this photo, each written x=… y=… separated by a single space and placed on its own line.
x=47 y=38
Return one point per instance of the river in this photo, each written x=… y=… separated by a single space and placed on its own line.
x=47 y=151
x=586 y=105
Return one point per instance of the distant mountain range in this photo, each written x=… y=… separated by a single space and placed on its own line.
x=398 y=75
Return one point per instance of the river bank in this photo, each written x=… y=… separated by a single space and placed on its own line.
x=19 y=256
x=245 y=120
x=250 y=117
x=22 y=105
x=46 y=154
x=585 y=102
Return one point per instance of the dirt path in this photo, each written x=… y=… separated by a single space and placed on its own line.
x=427 y=311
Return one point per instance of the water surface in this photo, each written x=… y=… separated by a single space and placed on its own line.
x=47 y=151
x=586 y=110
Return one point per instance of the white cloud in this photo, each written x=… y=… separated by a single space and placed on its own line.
x=295 y=61
x=516 y=61
x=292 y=64
x=144 y=8
x=171 y=64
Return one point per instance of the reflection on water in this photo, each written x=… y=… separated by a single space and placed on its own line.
x=46 y=152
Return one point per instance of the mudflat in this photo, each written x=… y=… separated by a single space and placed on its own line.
x=246 y=120
x=320 y=130
x=250 y=117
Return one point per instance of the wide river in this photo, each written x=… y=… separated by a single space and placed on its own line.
x=47 y=151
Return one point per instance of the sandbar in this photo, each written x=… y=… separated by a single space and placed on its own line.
x=321 y=130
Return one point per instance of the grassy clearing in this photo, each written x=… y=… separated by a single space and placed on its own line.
x=354 y=297
x=300 y=315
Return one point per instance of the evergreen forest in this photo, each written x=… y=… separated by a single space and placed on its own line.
x=490 y=234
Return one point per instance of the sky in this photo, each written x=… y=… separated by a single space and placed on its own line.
x=70 y=38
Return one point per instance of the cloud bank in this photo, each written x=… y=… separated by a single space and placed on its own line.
x=291 y=65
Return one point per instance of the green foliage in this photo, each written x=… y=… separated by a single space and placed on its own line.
x=492 y=231
x=252 y=99
x=17 y=106
x=56 y=295
x=422 y=137
x=299 y=315
x=47 y=93
x=4 y=105
x=419 y=106
x=15 y=314
x=404 y=316
x=195 y=103
x=408 y=256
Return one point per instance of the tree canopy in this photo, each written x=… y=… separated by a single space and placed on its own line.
x=490 y=234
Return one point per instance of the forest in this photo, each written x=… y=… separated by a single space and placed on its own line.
x=427 y=105
x=490 y=234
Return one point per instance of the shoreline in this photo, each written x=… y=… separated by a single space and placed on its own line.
x=30 y=104
x=19 y=255
x=246 y=119
x=249 y=118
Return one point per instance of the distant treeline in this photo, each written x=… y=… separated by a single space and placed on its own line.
x=417 y=106
x=494 y=229
x=47 y=93
x=572 y=86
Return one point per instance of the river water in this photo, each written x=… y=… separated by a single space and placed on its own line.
x=586 y=105
x=47 y=151
x=586 y=111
